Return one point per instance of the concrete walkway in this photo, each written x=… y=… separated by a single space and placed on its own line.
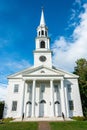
x=43 y=126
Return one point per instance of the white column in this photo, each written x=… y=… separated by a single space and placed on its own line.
x=26 y=100
x=23 y=98
x=67 y=106
x=33 y=99
x=51 y=98
x=63 y=104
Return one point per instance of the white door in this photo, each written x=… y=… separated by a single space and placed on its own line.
x=42 y=108
x=28 y=109
x=57 y=109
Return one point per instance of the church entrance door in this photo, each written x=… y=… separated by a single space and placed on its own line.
x=57 y=109
x=42 y=108
x=28 y=109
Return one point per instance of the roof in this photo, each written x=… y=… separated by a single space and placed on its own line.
x=42 y=71
x=42 y=21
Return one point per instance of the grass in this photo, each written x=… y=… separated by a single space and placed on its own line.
x=74 y=125
x=19 y=126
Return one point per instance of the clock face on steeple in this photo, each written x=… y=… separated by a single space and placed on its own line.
x=42 y=58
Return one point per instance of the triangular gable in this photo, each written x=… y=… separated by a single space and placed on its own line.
x=42 y=70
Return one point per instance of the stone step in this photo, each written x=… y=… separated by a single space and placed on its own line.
x=43 y=119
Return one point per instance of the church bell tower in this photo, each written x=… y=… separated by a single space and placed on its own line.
x=42 y=53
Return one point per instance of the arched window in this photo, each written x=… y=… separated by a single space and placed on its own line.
x=29 y=102
x=42 y=32
x=42 y=44
x=39 y=33
x=43 y=101
x=57 y=102
x=45 y=33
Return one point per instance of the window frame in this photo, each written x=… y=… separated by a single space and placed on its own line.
x=16 y=88
x=39 y=33
x=42 y=44
x=42 y=32
x=42 y=88
x=29 y=88
x=56 y=89
x=14 y=105
x=69 y=88
x=46 y=33
x=71 y=105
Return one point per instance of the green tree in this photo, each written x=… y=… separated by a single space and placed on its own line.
x=81 y=70
x=1 y=109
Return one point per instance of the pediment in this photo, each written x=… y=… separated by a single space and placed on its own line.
x=42 y=70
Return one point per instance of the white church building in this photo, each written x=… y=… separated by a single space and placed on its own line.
x=42 y=90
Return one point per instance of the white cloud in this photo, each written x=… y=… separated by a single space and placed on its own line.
x=3 y=91
x=17 y=65
x=67 y=52
x=75 y=10
x=11 y=66
x=78 y=1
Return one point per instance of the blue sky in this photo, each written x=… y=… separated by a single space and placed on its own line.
x=18 y=22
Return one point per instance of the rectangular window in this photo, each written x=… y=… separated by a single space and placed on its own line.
x=29 y=88
x=56 y=88
x=69 y=88
x=16 y=87
x=71 y=106
x=14 y=106
x=42 y=87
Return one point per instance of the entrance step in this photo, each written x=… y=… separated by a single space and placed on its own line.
x=43 y=119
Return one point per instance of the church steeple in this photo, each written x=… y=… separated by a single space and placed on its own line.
x=42 y=53
x=42 y=20
x=42 y=30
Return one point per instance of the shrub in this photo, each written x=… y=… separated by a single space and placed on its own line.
x=1 y=109
x=79 y=118
x=7 y=119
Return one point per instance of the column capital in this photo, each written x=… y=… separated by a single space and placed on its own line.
x=34 y=80
x=62 y=79
x=62 y=82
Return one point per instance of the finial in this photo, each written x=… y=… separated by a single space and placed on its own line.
x=42 y=8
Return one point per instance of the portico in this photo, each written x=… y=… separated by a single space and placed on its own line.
x=47 y=98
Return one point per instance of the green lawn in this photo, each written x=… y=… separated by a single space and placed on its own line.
x=19 y=126
x=75 y=125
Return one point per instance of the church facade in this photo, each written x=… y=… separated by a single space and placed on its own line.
x=42 y=90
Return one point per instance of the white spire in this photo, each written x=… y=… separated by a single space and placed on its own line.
x=42 y=20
